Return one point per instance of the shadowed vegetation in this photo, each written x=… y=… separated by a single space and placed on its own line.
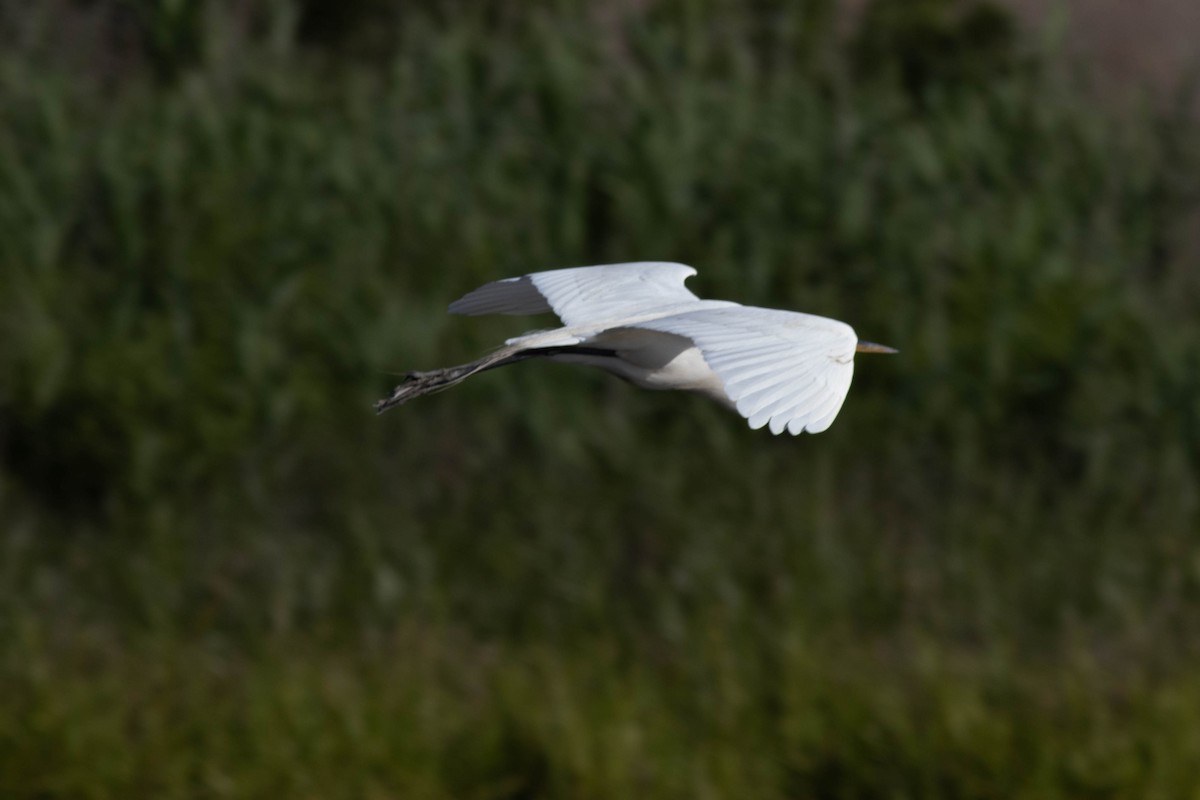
x=225 y=230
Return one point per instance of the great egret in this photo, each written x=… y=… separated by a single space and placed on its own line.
x=784 y=369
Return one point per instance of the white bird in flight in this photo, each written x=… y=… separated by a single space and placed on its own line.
x=783 y=369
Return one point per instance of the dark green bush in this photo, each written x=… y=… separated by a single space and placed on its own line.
x=981 y=582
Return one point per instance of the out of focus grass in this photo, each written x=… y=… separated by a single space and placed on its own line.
x=221 y=575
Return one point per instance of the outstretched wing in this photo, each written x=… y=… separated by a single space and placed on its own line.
x=782 y=368
x=583 y=295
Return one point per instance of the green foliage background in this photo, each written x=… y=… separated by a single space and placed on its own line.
x=225 y=227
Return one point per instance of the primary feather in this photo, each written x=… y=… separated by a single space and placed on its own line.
x=583 y=295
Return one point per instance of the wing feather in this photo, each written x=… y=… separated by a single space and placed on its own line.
x=836 y=397
x=508 y=296
x=784 y=369
x=584 y=295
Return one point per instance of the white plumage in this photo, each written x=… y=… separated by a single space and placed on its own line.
x=783 y=369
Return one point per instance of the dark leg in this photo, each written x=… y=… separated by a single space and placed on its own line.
x=421 y=383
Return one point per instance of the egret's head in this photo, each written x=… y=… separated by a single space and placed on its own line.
x=871 y=347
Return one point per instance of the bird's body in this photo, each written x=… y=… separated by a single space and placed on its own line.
x=651 y=360
x=784 y=369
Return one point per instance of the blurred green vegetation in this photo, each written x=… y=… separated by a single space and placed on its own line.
x=224 y=228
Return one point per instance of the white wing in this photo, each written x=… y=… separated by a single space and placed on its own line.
x=583 y=295
x=784 y=368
